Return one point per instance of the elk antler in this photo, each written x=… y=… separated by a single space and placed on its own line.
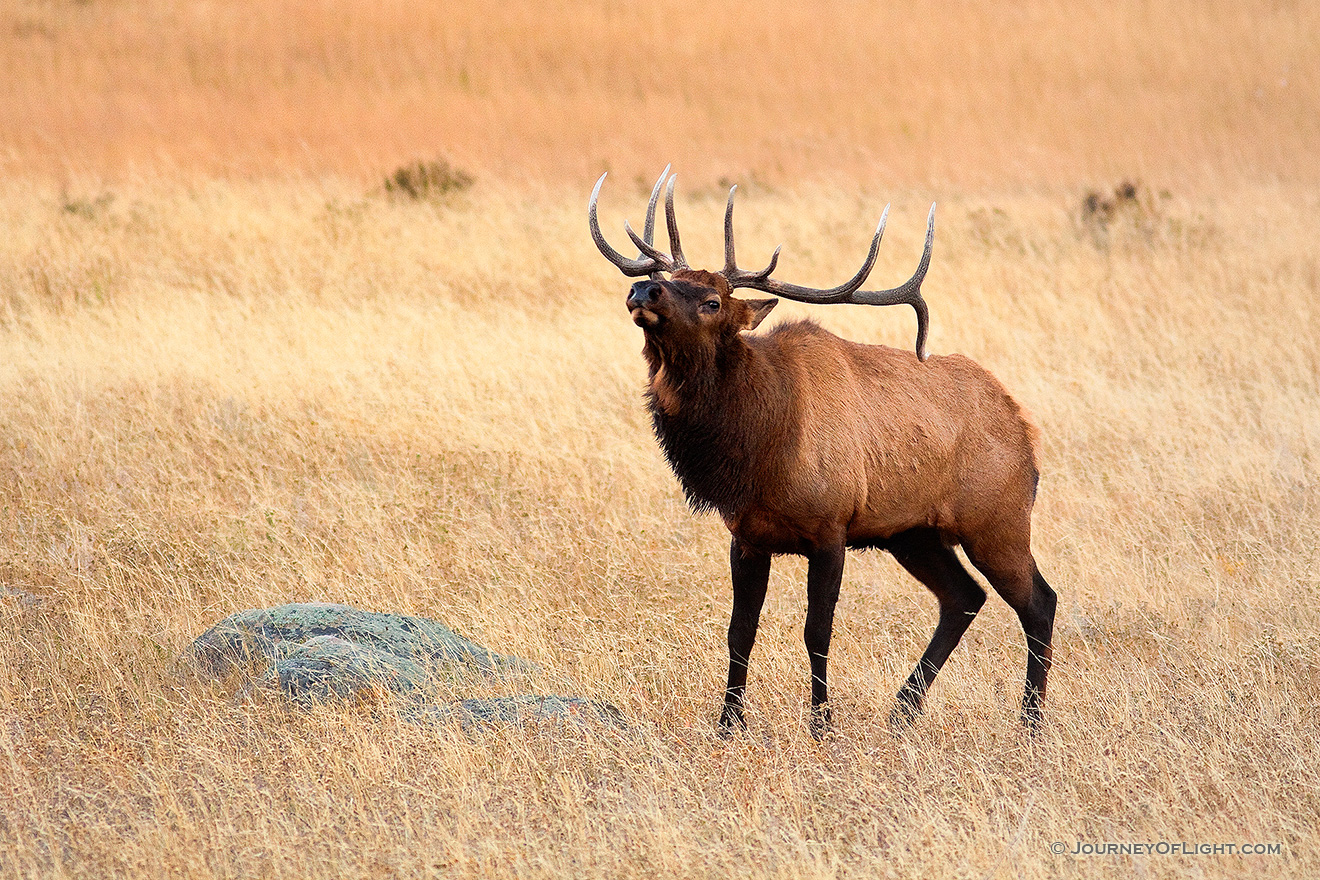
x=655 y=260
x=761 y=280
x=909 y=292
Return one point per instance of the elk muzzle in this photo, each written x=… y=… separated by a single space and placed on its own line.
x=641 y=297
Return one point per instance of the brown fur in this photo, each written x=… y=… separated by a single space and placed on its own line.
x=806 y=443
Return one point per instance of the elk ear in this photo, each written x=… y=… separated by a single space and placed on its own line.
x=757 y=309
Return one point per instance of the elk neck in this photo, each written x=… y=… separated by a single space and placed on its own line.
x=714 y=409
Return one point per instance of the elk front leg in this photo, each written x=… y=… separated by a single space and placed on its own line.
x=824 y=575
x=751 y=573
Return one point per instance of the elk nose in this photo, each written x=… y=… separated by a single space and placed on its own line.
x=643 y=294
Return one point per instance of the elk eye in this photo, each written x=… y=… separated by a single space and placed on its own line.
x=711 y=305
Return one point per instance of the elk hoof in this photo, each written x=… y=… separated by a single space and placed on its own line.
x=820 y=721
x=731 y=722
x=1030 y=716
x=905 y=712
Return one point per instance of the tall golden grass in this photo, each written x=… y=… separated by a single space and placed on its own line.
x=235 y=373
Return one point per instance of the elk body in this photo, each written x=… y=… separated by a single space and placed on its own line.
x=806 y=443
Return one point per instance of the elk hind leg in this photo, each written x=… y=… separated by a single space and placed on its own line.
x=929 y=560
x=1012 y=571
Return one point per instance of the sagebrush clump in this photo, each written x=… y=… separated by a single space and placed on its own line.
x=423 y=181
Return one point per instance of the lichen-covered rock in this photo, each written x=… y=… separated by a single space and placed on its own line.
x=327 y=668
x=278 y=634
x=318 y=653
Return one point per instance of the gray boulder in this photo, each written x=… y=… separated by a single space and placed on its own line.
x=318 y=653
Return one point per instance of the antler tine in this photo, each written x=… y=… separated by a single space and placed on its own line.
x=648 y=231
x=650 y=250
x=735 y=276
x=629 y=267
x=675 y=246
x=730 y=261
x=909 y=292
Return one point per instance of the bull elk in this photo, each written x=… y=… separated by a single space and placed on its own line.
x=809 y=444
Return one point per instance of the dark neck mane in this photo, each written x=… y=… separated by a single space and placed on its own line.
x=713 y=412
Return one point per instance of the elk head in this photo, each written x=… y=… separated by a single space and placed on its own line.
x=699 y=304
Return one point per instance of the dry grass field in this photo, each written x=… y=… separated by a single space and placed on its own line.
x=235 y=373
